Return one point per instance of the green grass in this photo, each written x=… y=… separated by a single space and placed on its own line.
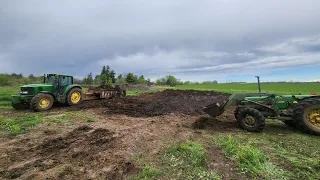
x=278 y=88
x=148 y=172
x=249 y=158
x=296 y=153
x=20 y=125
x=5 y=95
x=61 y=118
x=290 y=154
x=180 y=161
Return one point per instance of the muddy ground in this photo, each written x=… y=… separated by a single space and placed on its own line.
x=122 y=129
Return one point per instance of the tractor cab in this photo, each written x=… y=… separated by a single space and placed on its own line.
x=58 y=80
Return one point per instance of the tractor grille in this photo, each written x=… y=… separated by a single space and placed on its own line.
x=30 y=90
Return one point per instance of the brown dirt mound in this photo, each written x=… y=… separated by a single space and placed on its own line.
x=188 y=102
x=84 y=152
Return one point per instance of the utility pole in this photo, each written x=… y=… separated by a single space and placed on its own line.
x=258 y=83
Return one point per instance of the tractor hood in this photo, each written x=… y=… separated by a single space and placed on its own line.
x=33 y=89
x=38 y=85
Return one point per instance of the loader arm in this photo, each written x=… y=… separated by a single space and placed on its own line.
x=216 y=109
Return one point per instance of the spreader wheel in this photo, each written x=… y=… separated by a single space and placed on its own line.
x=250 y=119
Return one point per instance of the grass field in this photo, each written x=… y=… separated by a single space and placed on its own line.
x=278 y=88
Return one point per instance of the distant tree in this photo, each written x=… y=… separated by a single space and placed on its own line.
x=120 y=79
x=108 y=71
x=112 y=76
x=131 y=78
x=141 y=80
x=103 y=79
x=161 y=81
x=20 y=76
x=97 y=79
x=148 y=81
x=4 y=80
x=103 y=71
x=31 y=77
x=77 y=81
x=88 y=80
x=171 y=81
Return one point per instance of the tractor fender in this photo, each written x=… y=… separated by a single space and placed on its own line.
x=47 y=92
x=69 y=87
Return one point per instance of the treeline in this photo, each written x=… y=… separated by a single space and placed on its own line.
x=18 y=79
x=106 y=77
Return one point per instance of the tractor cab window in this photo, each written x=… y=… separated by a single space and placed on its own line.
x=50 y=79
x=65 y=80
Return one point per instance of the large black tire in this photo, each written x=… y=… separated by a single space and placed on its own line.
x=301 y=118
x=236 y=112
x=37 y=102
x=73 y=101
x=258 y=121
x=289 y=123
x=20 y=106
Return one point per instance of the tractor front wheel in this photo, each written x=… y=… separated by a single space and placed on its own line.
x=74 y=96
x=42 y=102
x=20 y=106
x=250 y=119
x=306 y=116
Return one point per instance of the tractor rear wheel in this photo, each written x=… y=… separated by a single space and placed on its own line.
x=41 y=102
x=250 y=119
x=306 y=116
x=74 y=96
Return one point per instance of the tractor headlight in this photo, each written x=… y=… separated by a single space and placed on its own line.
x=23 y=92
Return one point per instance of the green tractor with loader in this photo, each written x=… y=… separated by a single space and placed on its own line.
x=58 y=88
x=299 y=111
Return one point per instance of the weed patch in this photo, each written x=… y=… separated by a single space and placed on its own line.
x=148 y=172
x=249 y=159
x=61 y=118
x=180 y=161
x=20 y=125
x=187 y=160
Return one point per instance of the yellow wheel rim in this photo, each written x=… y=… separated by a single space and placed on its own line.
x=314 y=117
x=75 y=97
x=44 y=102
x=249 y=121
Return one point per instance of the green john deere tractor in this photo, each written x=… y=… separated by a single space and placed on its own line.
x=300 y=111
x=55 y=88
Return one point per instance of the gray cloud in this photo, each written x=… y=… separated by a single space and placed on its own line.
x=182 y=37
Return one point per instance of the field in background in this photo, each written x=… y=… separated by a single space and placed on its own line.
x=278 y=88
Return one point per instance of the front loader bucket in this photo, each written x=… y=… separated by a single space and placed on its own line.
x=213 y=110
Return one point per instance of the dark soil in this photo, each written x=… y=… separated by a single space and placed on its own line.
x=189 y=102
x=84 y=152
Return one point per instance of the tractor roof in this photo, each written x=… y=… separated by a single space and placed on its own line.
x=59 y=74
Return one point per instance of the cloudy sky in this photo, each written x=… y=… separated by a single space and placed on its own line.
x=193 y=40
